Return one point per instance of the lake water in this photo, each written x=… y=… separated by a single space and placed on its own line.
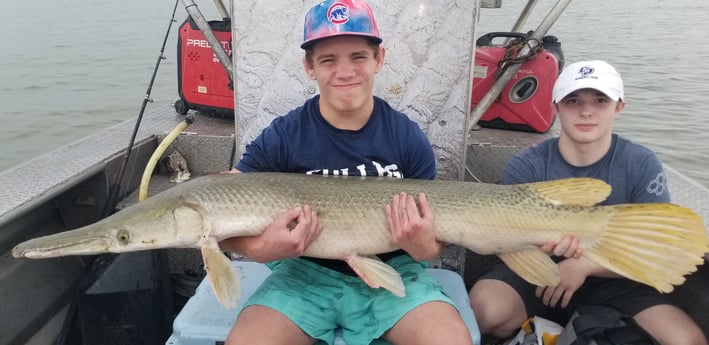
x=69 y=68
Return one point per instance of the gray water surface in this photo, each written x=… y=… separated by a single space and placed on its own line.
x=69 y=68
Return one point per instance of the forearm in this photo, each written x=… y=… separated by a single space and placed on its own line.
x=590 y=268
x=429 y=252
x=245 y=246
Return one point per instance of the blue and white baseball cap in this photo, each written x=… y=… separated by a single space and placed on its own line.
x=595 y=74
x=332 y=18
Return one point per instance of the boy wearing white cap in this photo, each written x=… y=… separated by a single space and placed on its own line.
x=345 y=130
x=588 y=97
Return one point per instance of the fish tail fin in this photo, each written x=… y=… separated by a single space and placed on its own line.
x=376 y=273
x=655 y=244
x=222 y=276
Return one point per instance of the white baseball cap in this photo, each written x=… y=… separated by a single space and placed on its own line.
x=596 y=74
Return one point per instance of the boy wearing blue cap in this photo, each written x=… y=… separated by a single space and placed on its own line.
x=345 y=130
x=587 y=98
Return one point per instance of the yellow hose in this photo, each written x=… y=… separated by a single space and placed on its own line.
x=145 y=181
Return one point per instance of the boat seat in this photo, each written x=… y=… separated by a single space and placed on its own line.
x=203 y=321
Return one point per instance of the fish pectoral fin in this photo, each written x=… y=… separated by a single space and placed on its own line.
x=534 y=266
x=375 y=273
x=187 y=219
x=221 y=275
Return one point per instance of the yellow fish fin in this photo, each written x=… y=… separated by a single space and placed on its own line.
x=533 y=265
x=222 y=275
x=375 y=273
x=654 y=244
x=581 y=191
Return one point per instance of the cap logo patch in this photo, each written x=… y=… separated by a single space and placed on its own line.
x=338 y=13
x=585 y=72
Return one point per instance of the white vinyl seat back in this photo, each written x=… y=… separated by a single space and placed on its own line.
x=427 y=72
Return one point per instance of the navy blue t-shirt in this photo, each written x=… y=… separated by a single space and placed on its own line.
x=302 y=141
x=390 y=144
x=633 y=171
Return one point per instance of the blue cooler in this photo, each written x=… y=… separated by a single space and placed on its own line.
x=203 y=321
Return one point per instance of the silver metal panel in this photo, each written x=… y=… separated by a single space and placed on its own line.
x=426 y=74
x=689 y=193
x=490 y=3
x=204 y=154
x=207 y=139
x=489 y=150
x=48 y=175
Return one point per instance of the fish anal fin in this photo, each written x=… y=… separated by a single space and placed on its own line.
x=222 y=276
x=534 y=266
x=581 y=191
x=375 y=273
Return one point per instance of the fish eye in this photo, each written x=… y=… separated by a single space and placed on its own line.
x=123 y=236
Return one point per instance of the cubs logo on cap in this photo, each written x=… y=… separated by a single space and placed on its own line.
x=338 y=13
x=332 y=18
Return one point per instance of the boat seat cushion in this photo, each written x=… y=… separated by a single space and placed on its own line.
x=203 y=321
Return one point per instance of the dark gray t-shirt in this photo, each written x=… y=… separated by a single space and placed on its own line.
x=633 y=171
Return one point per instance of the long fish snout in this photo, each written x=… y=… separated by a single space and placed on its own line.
x=144 y=226
x=67 y=243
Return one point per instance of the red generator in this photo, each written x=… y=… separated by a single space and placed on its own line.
x=525 y=102
x=203 y=83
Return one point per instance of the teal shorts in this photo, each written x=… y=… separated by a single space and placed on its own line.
x=318 y=299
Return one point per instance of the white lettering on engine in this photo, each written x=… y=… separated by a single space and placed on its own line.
x=200 y=43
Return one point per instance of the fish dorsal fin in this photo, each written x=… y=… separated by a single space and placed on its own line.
x=221 y=275
x=533 y=265
x=375 y=273
x=580 y=191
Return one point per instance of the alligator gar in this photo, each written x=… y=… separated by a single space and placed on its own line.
x=655 y=244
